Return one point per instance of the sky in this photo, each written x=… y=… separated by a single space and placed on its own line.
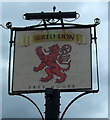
x=90 y=106
x=0 y=62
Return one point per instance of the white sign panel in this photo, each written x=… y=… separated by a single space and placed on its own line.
x=58 y=59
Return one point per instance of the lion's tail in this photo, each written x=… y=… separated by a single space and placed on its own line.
x=67 y=68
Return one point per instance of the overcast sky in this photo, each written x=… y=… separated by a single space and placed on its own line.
x=90 y=106
x=0 y=62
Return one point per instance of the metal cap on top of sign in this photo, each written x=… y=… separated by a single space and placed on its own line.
x=54 y=57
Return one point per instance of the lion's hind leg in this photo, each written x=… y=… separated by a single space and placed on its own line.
x=49 y=73
x=62 y=76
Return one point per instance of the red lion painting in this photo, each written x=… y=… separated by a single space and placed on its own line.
x=57 y=56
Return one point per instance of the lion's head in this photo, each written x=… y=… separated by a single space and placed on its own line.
x=54 y=48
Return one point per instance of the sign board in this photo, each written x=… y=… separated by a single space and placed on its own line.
x=53 y=58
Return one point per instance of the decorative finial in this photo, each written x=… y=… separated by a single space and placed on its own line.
x=9 y=25
x=97 y=21
x=54 y=8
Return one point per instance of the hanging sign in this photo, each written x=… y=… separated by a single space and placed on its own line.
x=55 y=58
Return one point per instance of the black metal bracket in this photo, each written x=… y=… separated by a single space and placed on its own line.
x=51 y=16
x=76 y=98
x=64 y=25
x=33 y=104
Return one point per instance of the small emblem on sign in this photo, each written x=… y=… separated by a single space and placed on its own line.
x=54 y=62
